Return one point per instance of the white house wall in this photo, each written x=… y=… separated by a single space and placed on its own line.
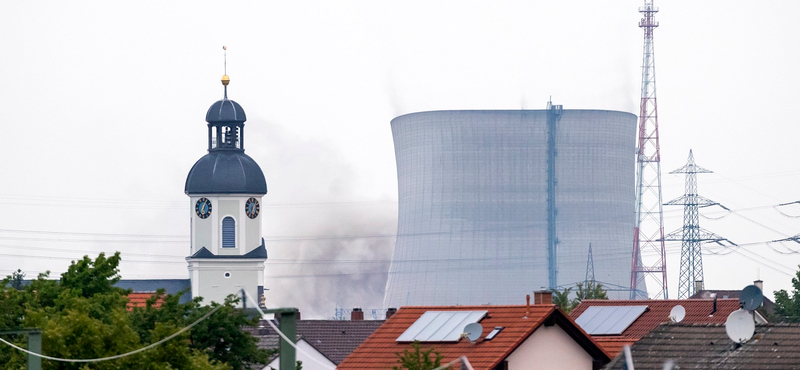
x=549 y=347
x=306 y=357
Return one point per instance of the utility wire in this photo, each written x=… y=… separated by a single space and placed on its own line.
x=777 y=208
x=276 y=238
x=76 y=258
x=179 y=332
x=40 y=232
x=280 y=333
x=462 y=358
x=110 y=241
x=124 y=254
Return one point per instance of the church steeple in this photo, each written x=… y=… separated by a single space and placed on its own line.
x=225 y=120
x=225 y=123
x=225 y=189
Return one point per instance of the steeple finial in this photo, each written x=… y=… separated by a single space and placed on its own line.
x=225 y=79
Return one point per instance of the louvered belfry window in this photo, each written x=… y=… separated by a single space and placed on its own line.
x=228 y=232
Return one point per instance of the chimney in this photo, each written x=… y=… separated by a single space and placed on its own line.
x=760 y=284
x=356 y=314
x=389 y=312
x=713 y=308
x=543 y=297
x=527 y=306
x=698 y=286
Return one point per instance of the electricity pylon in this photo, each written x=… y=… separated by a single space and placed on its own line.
x=691 y=235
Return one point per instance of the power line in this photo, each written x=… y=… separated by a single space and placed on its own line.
x=73 y=258
x=142 y=204
x=786 y=204
x=90 y=233
x=71 y=360
x=110 y=241
x=90 y=251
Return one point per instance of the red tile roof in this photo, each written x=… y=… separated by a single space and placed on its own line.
x=380 y=349
x=613 y=346
x=697 y=312
x=139 y=299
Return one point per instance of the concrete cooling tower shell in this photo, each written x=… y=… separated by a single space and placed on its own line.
x=473 y=219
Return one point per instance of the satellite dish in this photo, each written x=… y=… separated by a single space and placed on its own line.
x=473 y=331
x=751 y=297
x=677 y=313
x=740 y=326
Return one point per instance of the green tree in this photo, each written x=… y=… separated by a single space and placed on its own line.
x=83 y=315
x=17 y=279
x=561 y=299
x=787 y=307
x=590 y=290
x=417 y=359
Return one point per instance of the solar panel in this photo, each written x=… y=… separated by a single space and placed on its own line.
x=440 y=326
x=609 y=320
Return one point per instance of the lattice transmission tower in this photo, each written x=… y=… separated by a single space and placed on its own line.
x=648 y=234
x=691 y=235
x=589 y=268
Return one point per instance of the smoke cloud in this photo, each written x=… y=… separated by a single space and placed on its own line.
x=321 y=252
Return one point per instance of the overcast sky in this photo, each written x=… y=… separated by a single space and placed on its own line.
x=105 y=103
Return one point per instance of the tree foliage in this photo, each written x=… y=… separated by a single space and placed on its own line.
x=17 y=279
x=83 y=315
x=561 y=299
x=590 y=290
x=787 y=307
x=417 y=359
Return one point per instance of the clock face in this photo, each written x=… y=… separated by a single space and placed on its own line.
x=251 y=208
x=203 y=208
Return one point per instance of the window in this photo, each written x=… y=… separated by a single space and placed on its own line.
x=228 y=232
x=494 y=332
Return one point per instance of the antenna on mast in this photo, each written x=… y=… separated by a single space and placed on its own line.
x=225 y=79
x=648 y=232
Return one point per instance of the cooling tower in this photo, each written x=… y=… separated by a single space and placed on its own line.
x=485 y=195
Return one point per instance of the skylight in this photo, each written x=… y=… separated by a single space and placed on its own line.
x=493 y=333
x=609 y=320
x=440 y=326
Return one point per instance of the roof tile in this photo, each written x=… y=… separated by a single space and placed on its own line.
x=697 y=311
x=139 y=299
x=380 y=350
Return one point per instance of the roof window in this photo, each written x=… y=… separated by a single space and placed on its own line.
x=494 y=332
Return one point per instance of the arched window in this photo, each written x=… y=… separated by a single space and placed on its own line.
x=228 y=232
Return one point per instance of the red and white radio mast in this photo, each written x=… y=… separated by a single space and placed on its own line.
x=648 y=234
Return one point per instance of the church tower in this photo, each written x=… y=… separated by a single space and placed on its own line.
x=225 y=188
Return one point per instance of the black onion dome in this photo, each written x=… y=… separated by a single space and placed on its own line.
x=225 y=111
x=226 y=172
